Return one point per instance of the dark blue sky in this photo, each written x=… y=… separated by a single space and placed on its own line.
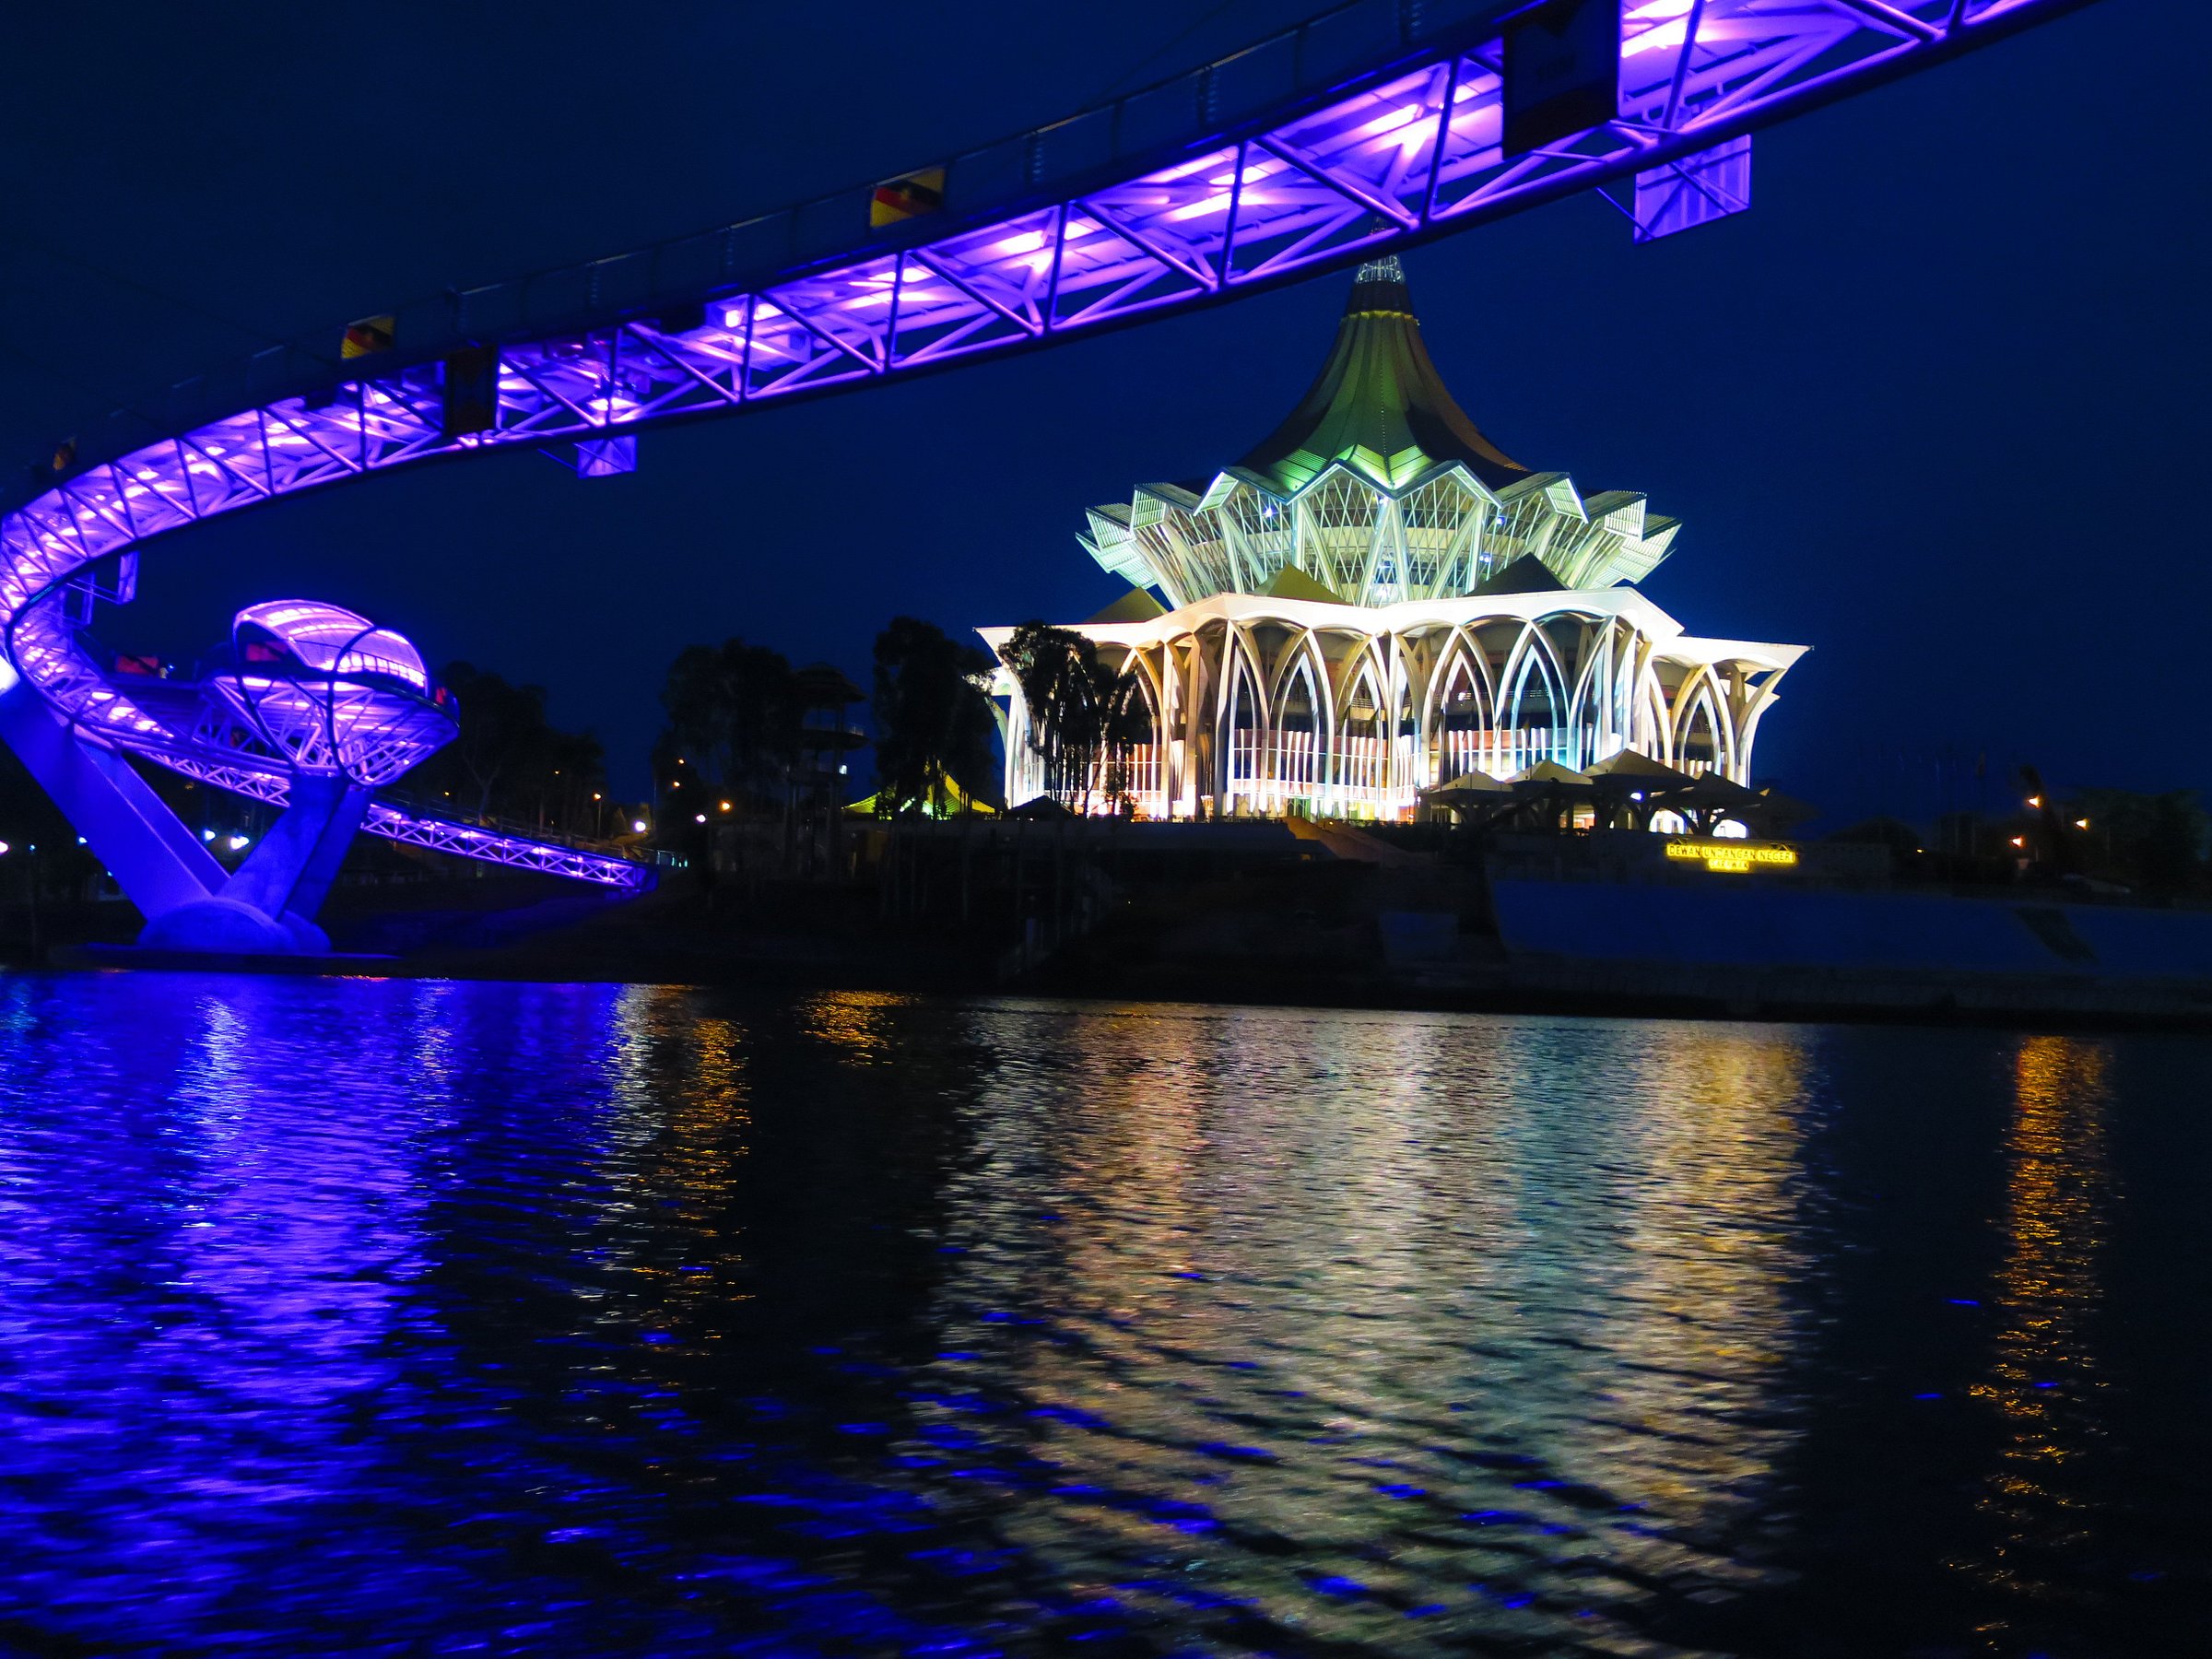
x=1934 y=406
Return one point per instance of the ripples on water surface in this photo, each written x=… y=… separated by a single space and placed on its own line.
x=415 y=1319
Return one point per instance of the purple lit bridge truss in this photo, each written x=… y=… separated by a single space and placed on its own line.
x=1274 y=174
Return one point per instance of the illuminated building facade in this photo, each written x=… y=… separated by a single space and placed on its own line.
x=1377 y=601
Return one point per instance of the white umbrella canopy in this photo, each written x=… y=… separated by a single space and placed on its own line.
x=1549 y=772
x=1646 y=772
x=1466 y=787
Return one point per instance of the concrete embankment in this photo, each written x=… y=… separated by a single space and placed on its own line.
x=1781 y=951
x=1611 y=923
x=1324 y=915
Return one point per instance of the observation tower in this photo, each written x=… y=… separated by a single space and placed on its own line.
x=1376 y=601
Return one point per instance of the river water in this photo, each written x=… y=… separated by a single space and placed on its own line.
x=358 y=1317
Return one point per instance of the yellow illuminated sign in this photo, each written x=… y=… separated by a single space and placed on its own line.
x=1734 y=857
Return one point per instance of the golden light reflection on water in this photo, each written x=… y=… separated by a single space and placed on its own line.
x=2043 y=1380
x=857 y=1024
x=681 y=1117
x=1378 y=1238
x=1707 y=1249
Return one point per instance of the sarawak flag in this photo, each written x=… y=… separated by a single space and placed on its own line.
x=897 y=200
x=368 y=336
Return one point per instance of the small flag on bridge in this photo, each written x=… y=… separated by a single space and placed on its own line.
x=368 y=336
x=909 y=196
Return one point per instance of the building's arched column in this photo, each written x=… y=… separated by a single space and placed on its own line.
x=1655 y=728
x=1408 y=726
x=1521 y=741
x=1754 y=698
x=1302 y=717
x=1360 y=745
x=1145 y=664
x=1205 y=669
x=1461 y=703
x=1700 y=735
x=1242 y=723
x=1584 y=715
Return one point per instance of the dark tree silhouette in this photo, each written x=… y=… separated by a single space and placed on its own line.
x=933 y=724
x=733 y=716
x=509 y=760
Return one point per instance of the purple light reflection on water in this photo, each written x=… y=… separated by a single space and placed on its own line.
x=340 y=1317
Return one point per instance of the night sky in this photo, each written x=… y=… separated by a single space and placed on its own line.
x=1935 y=406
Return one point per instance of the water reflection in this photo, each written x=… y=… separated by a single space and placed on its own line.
x=2044 y=1381
x=593 y=1320
x=1338 y=1320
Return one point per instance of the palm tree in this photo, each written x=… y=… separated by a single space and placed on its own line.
x=1058 y=673
x=933 y=723
x=1124 y=725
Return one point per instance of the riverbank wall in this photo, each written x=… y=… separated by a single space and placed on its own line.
x=1323 y=915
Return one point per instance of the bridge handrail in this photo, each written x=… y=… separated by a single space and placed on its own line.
x=421 y=806
x=1313 y=58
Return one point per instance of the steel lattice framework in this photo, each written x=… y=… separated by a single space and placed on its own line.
x=1409 y=152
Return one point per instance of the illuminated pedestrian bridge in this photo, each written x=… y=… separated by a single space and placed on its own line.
x=1369 y=128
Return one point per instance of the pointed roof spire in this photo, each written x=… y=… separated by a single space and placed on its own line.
x=1379 y=404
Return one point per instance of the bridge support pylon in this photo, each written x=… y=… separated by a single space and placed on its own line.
x=266 y=907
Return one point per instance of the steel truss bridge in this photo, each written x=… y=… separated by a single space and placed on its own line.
x=1371 y=127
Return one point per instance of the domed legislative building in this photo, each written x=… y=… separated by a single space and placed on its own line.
x=1376 y=601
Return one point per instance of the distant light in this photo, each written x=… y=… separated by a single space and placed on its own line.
x=595 y=795
x=237 y=842
x=2081 y=823
x=2035 y=801
x=2019 y=841
x=206 y=835
x=3 y=849
x=636 y=826
x=726 y=805
x=1635 y=794
x=698 y=817
x=80 y=841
